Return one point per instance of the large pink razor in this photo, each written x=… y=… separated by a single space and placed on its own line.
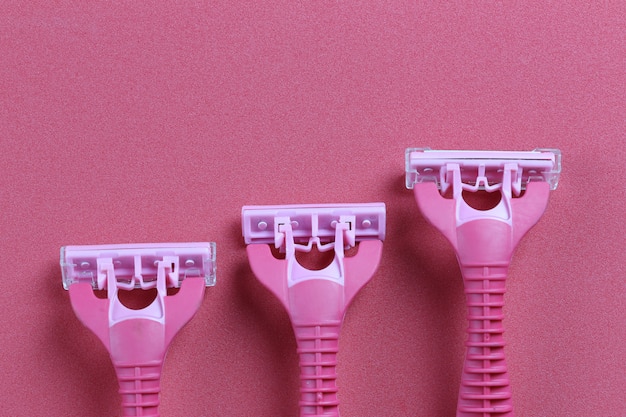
x=137 y=340
x=315 y=300
x=484 y=241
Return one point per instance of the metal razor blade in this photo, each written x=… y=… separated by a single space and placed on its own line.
x=262 y=224
x=136 y=265
x=482 y=169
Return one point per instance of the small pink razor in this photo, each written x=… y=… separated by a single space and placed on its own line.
x=484 y=241
x=137 y=340
x=315 y=300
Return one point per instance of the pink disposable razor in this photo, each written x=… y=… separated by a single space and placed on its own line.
x=137 y=340
x=315 y=300
x=484 y=241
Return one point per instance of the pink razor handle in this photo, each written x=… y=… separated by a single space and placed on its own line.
x=484 y=241
x=137 y=340
x=484 y=248
x=315 y=300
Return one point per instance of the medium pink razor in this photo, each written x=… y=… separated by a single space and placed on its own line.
x=137 y=340
x=484 y=241
x=315 y=300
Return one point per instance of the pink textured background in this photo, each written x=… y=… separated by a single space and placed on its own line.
x=151 y=123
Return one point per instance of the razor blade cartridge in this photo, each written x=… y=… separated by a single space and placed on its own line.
x=137 y=265
x=482 y=169
x=263 y=224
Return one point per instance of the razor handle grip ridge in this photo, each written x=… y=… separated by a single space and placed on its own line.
x=316 y=309
x=139 y=388
x=484 y=249
x=485 y=385
x=317 y=348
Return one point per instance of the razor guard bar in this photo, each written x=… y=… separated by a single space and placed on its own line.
x=315 y=300
x=484 y=242
x=137 y=340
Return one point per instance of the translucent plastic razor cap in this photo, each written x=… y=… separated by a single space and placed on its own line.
x=137 y=263
x=427 y=165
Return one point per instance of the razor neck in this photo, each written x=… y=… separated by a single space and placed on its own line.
x=333 y=294
x=487 y=237
x=137 y=346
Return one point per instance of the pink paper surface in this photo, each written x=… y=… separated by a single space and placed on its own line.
x=124 y=122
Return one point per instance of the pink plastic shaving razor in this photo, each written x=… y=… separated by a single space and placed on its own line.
x=137 y=340
x=484 y=241
x=315 y=300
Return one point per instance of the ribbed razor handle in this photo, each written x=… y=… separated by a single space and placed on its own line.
x=484 y=241
x=485 y=387
x=139 y=388
x=318 y=346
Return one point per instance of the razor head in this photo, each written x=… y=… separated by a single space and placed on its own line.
x=260 y=224
x=427 y=165
x=136 y=265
